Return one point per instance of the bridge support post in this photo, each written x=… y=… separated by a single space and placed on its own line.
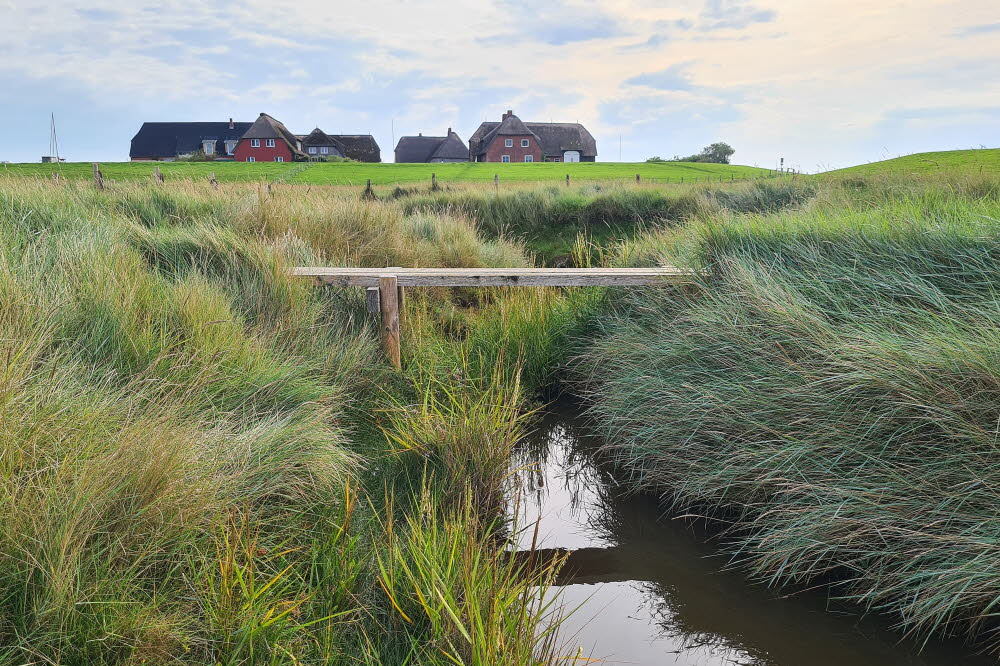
x=388 y=292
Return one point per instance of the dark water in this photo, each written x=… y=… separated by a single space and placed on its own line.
x=650 y=590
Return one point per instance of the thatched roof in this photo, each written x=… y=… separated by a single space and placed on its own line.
x=554 y=138
x=266 y=127
x=421 y=148
x=360 y=147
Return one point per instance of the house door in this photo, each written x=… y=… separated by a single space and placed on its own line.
x=571 y=156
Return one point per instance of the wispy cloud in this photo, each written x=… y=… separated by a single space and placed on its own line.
x=981 y=29
x=733 y=15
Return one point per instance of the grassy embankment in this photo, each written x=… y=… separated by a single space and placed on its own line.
x=982 y=162
x=352 y=173
x=832 y=396
x=202 y=461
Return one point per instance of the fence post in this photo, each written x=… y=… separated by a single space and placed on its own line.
x=496 y=182
x=567 y=180
x=55 y=177
x=98 y=177
x=389 y=306
x=368 y=194
x=213 y=181
x=638 y=179
x=434 y=182
x=156 y=174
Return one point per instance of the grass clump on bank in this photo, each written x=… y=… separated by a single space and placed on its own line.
x=192 y=460
x=832 y=395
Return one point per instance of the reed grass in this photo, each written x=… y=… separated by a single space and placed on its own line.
x=185 y=432
x=831 y=395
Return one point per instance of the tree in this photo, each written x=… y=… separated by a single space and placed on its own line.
x=717 y=153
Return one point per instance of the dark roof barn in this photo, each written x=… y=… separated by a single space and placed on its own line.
x=422 y=148
x=360 y=147
x=167 y=140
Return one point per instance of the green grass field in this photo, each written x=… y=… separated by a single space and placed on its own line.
x=985 y=161
x=352 y=173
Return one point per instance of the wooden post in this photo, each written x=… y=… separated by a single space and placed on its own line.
x=211 y=179
x=55 y=177
x=156 y=174
x=567 y=180
x=368 y=194
x=388 y=295
x=732 y=178
x=638 y=179
x=434 y=182
x=372 y=300
x=496 y=183
x=98 y=177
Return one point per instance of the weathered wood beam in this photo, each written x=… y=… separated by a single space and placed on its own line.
x=498 y=277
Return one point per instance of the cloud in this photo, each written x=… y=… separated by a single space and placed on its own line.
x=732 y=15
x=980 y=29
x=554 y=23
x=675 y=77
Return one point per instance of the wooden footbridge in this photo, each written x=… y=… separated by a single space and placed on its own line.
x=386 y=285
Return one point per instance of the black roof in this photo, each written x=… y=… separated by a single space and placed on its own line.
x=157 y=140
x=425 y=148
x=553 y=138
x=320 y=138
x=360 y=147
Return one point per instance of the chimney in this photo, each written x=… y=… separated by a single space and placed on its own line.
x=232 y=125
x=420 y=133
x=507 y=115
x=449 y=132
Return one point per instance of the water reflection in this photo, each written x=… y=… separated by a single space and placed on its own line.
x=650 y=590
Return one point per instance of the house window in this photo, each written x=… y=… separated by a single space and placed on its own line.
x=230 y=147
x=208 y=147
x=251 y=159
x=312 y=150
x=508 y=143
x=324 y=150
x=505 y=158
x=269 y=143
x=529 y=158
x=255 y=143
x=279 y=158
x=524 y=143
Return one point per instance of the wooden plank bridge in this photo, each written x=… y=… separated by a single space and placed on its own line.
x=385 y=285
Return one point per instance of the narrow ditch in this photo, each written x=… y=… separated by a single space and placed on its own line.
x=644 y=589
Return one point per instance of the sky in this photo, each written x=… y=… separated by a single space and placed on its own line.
x=822 y=83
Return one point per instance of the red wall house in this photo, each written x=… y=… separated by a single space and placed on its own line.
x=517 y=151
x=262 y=152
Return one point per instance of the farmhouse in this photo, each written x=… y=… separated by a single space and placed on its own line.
x=168 y=141
x=512 y=140
x=268 y=140
x=264 y=140
x=420 y=148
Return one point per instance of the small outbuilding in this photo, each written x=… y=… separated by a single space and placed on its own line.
x=431 y=149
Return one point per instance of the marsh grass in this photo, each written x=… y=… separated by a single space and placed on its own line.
x=832 y=396
x=183 y=427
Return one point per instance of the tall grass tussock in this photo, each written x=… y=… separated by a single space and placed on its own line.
x=192 y=464
x=831 y=394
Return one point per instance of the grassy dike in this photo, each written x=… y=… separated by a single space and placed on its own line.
x=202 y=461
x=832 y=396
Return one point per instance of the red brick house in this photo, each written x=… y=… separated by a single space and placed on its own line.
x=512 y=140
x=268 y=140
